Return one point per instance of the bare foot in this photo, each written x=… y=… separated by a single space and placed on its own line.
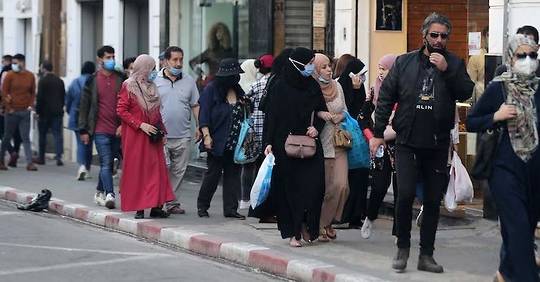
x=294 y=243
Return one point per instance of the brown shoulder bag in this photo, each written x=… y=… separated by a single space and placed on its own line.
x=301 y=146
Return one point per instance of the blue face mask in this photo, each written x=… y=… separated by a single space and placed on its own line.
x=109 y=64
x=175 y=71
x=152 y=75
x=308 y=70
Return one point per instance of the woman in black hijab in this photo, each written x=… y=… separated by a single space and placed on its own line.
x=267 y=211
x=351 y=80
x=298 y=184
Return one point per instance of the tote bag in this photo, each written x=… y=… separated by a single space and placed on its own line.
x=358 y=155
x=247 y=149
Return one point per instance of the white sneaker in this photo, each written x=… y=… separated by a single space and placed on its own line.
x=109 y=201
x=366 y=228
x=81 y=174
x=99 y=198
x=244 y=205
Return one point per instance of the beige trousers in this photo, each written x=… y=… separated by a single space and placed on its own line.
x=337 y=187
x=177 y=150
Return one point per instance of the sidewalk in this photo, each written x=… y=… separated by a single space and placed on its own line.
x=468 y=252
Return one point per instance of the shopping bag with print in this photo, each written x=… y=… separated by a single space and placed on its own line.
x=247 y=149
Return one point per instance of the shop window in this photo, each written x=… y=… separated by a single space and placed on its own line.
x=92 y=28
x=212 y=30
x=135 y=28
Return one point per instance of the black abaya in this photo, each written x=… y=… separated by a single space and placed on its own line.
x=298 y=184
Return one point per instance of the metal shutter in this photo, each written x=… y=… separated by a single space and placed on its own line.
x=298 y=23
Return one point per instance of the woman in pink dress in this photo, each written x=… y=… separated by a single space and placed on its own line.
x=145 y=183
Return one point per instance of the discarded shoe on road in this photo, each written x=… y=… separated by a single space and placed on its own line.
x=39 y=202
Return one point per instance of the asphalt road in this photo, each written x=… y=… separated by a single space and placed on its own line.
x=43 y=247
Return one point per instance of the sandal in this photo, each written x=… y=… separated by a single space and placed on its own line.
x=294 y=243
x=331 y=233
x=323 y=236
x=159 y=213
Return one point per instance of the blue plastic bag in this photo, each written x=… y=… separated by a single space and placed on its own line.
x=358 y=155
x=247 y=149
x=261 y=186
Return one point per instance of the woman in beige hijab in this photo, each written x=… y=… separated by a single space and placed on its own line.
x=335 y=158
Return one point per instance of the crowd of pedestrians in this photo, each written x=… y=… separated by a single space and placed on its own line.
x=148 y=117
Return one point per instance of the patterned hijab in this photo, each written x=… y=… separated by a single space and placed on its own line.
x=139 y=86
x=520 y=90
x=329 y=89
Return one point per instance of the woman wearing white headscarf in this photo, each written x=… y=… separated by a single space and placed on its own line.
x=145 y=182
x=511 y=102
x=249 y=76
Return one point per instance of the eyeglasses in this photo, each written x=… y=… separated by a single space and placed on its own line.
x=435 y=35
x=532 y=55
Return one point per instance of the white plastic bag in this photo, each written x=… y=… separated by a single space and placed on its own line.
x=460 y=188
x=261 y=186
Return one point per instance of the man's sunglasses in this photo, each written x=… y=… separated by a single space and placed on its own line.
x=434 y=35
x=532 y=55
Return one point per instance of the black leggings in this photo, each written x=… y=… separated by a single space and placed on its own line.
x=381 y=180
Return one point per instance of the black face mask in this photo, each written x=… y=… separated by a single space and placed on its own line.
x=228 y=82
x=432 y=49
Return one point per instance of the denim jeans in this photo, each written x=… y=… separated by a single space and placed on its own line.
x=84 y=151
x=107 y=146
x=55 y=125
x=17 y=141
x=13 y=121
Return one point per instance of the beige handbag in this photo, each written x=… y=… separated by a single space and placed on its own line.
x=301 y=146
x=342 y=139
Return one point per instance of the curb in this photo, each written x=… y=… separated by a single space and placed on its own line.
x=246 y=254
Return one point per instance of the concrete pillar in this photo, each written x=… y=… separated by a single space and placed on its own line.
x=153 y=29
x=73 y=56
x=496 y=26
x=113 y=26
x=13 y=28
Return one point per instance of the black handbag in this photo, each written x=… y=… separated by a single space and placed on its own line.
x=486 y=146
x=487 y=143
x=154 y=137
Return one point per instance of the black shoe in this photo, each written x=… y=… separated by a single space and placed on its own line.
x=59 y=163
x=235 y=215
x=400 y=260
x=203 y=213
x=139 y=214
x=159 y=213
x=427 y=263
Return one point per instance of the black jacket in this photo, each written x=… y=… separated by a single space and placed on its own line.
x=50 y=97
x=400 y=86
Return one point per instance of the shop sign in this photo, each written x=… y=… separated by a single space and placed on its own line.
x=475 y=40
x=318 y=38
x=319 y=14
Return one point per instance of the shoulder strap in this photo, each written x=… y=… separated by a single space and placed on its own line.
x=146 y=104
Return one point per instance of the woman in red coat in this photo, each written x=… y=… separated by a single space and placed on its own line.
x=145 y=183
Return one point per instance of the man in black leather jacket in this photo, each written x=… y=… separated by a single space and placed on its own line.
x=425 y=84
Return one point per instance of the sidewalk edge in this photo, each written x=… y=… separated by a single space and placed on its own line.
x=246 y=254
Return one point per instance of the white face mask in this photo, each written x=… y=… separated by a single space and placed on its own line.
x=525 y=66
